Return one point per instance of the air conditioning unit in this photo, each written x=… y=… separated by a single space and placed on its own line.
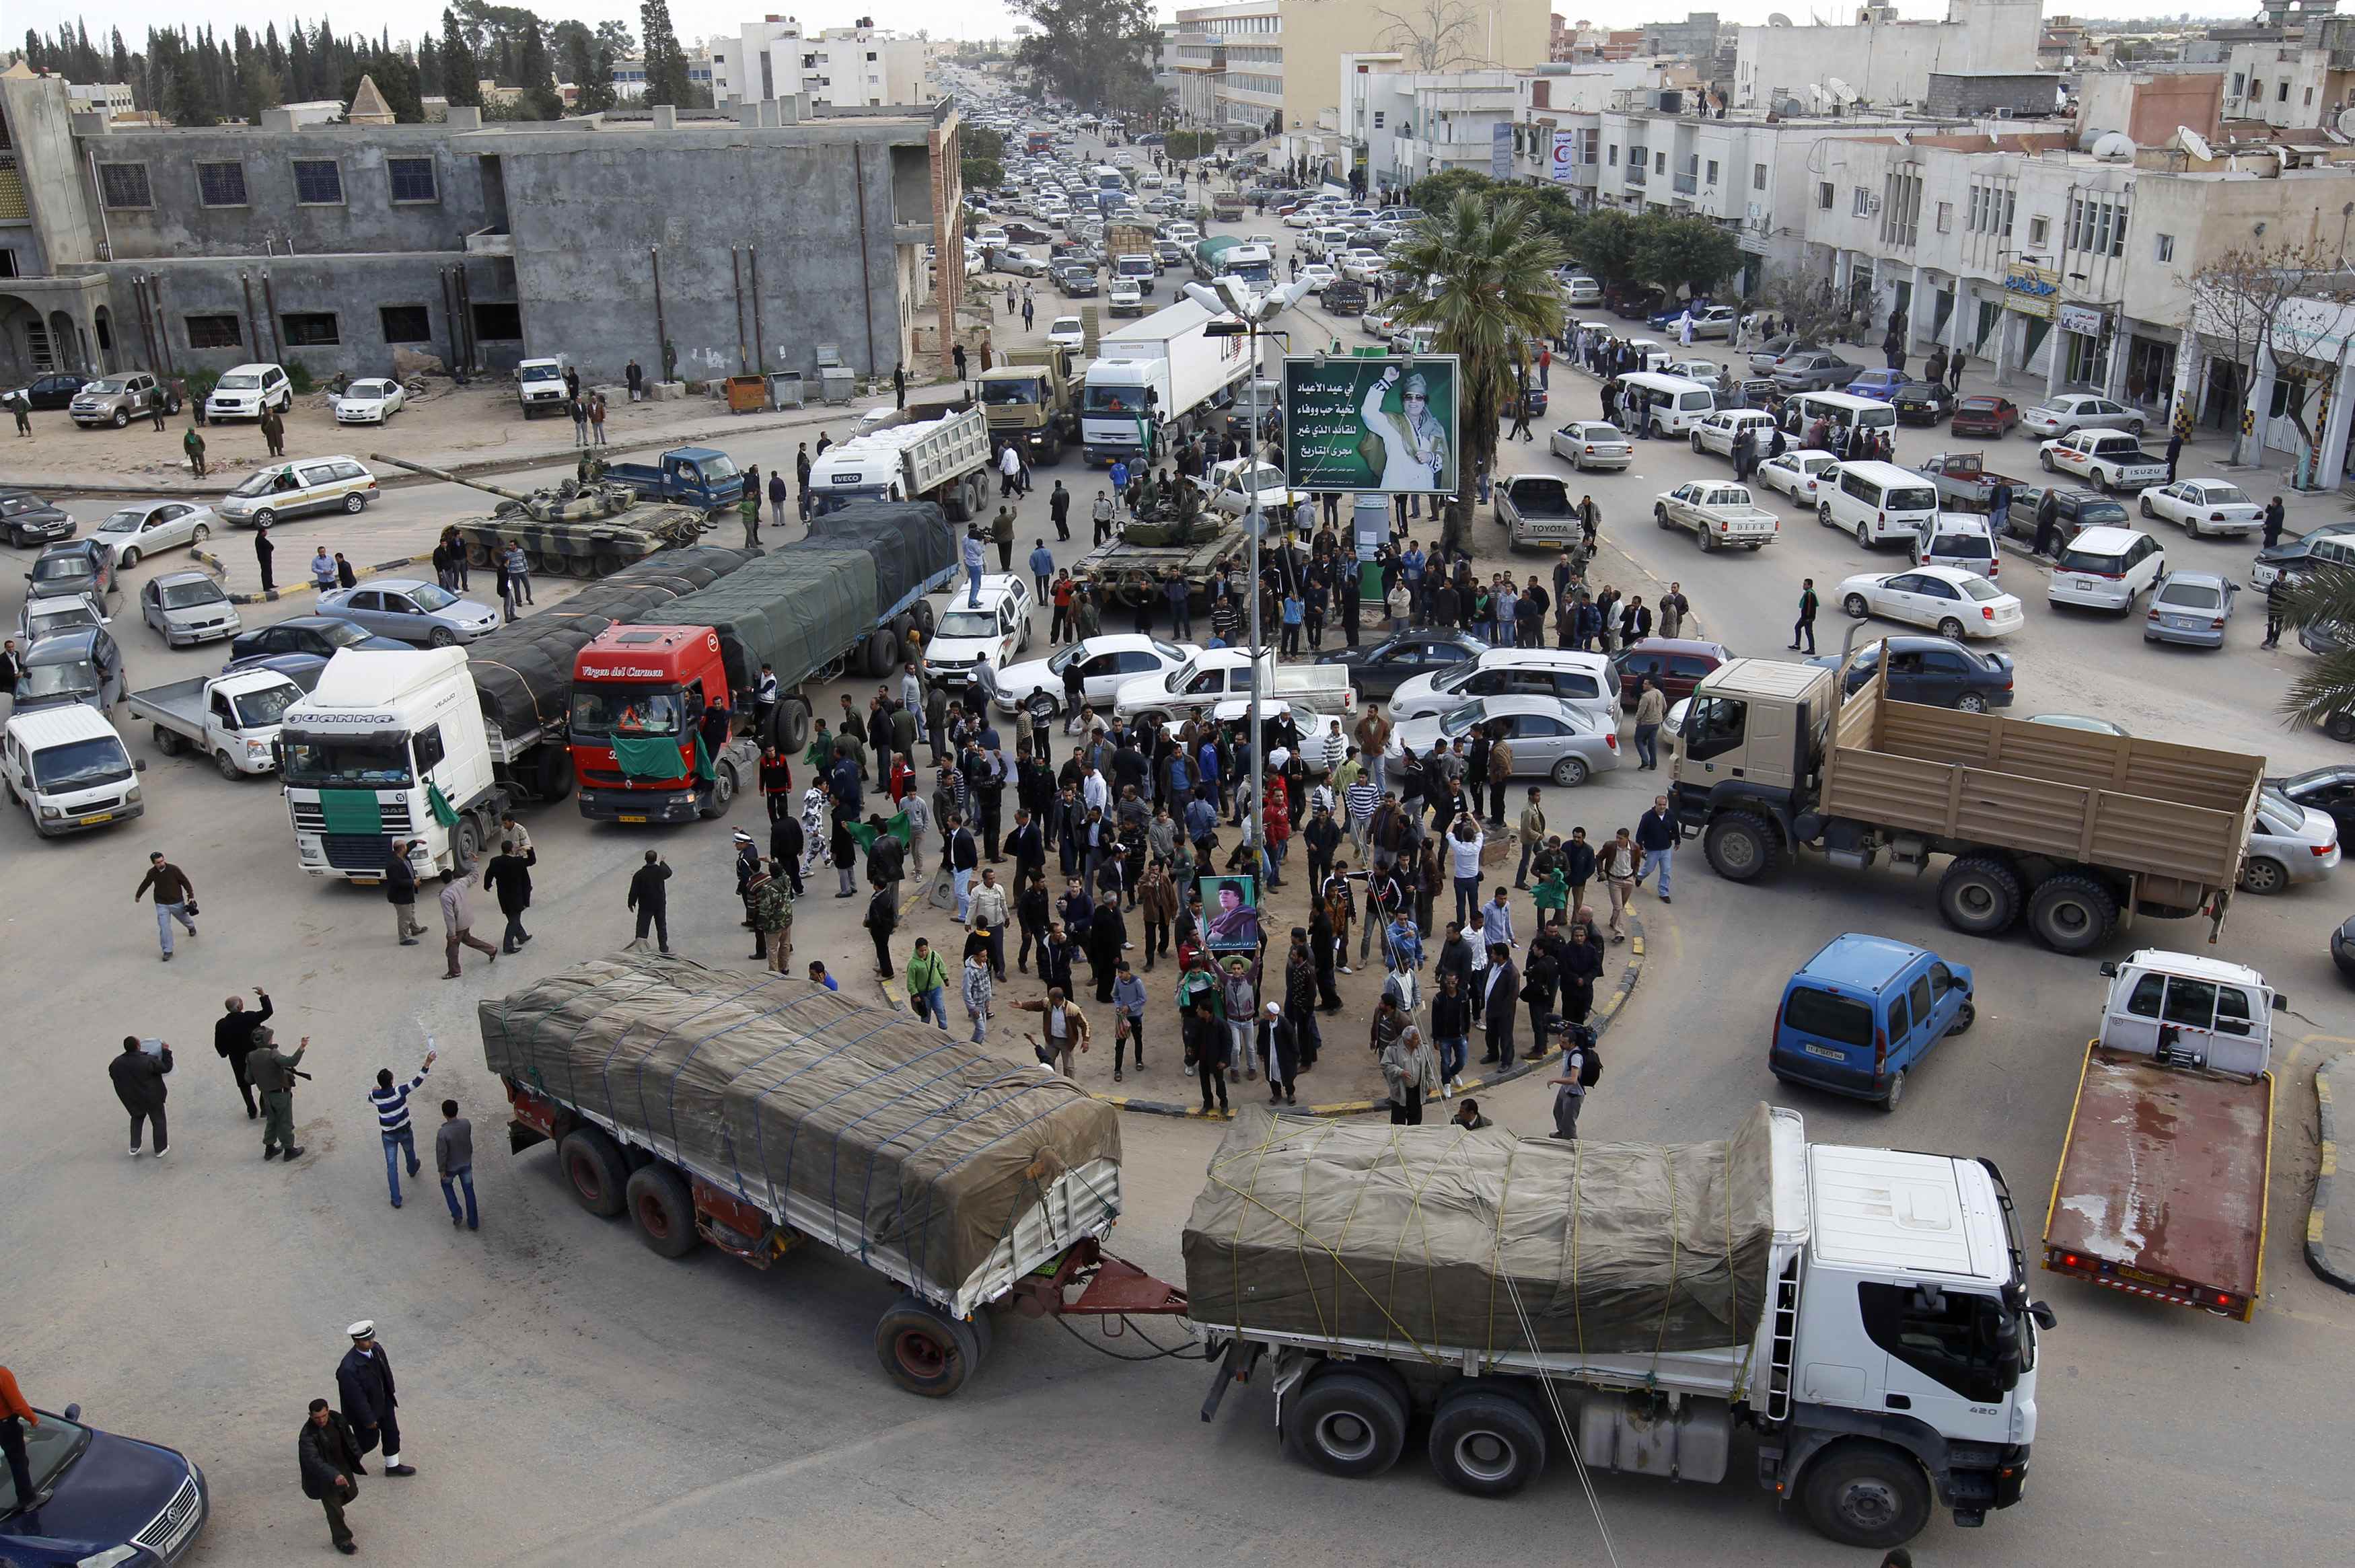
x=2003 y=113
x=1871 y=204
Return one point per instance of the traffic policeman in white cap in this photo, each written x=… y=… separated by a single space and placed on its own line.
x=364 y=1378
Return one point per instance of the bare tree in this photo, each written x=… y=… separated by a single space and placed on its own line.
x=1434 y=34
x=2237 y=299
x=1814 y=314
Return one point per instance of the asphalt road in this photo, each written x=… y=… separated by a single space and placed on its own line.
x=570 y=1397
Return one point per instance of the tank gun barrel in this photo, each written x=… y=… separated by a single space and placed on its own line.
x=445 y=476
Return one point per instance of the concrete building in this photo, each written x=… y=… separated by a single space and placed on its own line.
x=2294 y=85
x=1411 y=126
x=856 y=67
x=331 y=245
x=116 y=97
x=1883 y=61
x=1695 y=38
x=630 y=76
x=2148 y=105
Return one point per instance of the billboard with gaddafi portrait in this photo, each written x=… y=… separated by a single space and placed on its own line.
x=1385 y=423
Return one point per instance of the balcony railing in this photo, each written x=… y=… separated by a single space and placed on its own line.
x=1687 y=185
x=1634 y=173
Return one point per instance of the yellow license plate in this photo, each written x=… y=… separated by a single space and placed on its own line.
x=368 y=882
x=631 y=819
x=100 y=816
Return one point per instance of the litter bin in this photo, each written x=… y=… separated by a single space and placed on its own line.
x=785 y=391
x=837 y=383
x=746 y=394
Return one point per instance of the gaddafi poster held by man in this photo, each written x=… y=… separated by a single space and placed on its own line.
x=1386 y=424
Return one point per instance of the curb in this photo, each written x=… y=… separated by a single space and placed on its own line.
x=213 y=565
x=2334 y=1263
x=1605 y=1013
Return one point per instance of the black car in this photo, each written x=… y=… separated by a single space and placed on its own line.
x=1924 y=402
x=2075 y=510
x=1344 y=297
x=2330 y=790
x=29 y=520
x=53 y=391
x=1936 y=671
x=2342 y=949
x=1077 y=281
x=1379 y=669
x=319 y=634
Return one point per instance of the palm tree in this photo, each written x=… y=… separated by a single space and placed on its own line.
x=2324 y=694
x=1493 y=262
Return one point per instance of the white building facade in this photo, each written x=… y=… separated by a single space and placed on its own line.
x=859 y=67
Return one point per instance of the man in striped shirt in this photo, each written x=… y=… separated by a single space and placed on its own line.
x=1362 y=798
x=391 y=1102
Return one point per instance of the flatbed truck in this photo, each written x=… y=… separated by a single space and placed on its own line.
x=232 y=718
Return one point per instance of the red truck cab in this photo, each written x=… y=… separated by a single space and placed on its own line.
x=639 y=693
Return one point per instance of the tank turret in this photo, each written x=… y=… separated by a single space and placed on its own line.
x=584 y=530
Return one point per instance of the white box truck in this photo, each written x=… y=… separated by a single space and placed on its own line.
x=937 y=452
x=389 y=747
x=1163 y=371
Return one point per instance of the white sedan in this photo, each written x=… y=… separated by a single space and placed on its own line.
x=1302 y=218
x=1954 y=603
x=369 y=402
x=1316 y=275
x=2205 y=506
x=1717 y=321
x=1069 y=333
x=1794 y=473
x=1105 y=662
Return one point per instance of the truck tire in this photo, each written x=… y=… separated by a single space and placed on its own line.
x=1895 y=1092
x=881 y=653
x=555 y=774
x=1660 y=516
x=790 y=728
x=1485 y=1443
x=925 y=1351
x=659 y=1200
x=1979 y=895
x=166 y=741
x=593 y=1168
x=722 y=793
x=2340 y=726
x=1866 y=1494
x=470 y=841
x=1346 y=1423
x=2072 y=914
x=1741 y=846
x=924 y=617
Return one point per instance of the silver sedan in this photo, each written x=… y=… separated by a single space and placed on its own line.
x=2288 y=842
x=144 y=527
x=410 y=611
x=2190 y=607
x=1590 y=444
x=1550 y=738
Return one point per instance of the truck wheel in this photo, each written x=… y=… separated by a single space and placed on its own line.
x=1660 y=516
x=2264 y=876
x=1979 y=896
x=1864 y=1494
x=789 y=728
x=659 y=1200
x=1346 y=1423
x=1864 y=537
x=121 y=419
x=925 y=1351
x=166 y=741
x=1740 y=847
x=882 y=653
x=1696 y=443
x=555 y=774
x=226 y=766
x=593 y=1168
x=1485 y=1443
x=2072 y=914
x=722 y=793
x=925 y=619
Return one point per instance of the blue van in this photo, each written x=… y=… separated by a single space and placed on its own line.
x=1859 y=1015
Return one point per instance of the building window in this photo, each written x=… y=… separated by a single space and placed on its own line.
x=2037 y=230
x=1757 y=177
x=2165 y=249
x=498 y=323
x=2257 y=90
x=2118 y=240
x=220 y=184
x=1860 y=203
x=1824 y=195
x=2239 y=83
x=1377 y=119
x=413 y=179
x=311 y=328
x=2282 y=94
x=318 y=181
x=1712 y=173
x=1660 y=162
x=2309 y=98
x=214 y=332
x=2010 y=200
x=405 y=324
x=1613 y=161
x=125 y=187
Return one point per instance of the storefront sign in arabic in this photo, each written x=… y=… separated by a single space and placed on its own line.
x=2031 y=290
x=2083 y=320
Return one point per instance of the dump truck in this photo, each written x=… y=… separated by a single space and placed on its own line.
x=1864 y=1312
x=756 y=1117
x=2067 y=828
x=1032 y=396
x=937 y=453
x=848 y=597
x=2162 y=1187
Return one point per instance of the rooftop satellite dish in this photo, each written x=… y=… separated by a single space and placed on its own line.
x=1841 y=91
x=2345 y=123
x=2193 y=142
x=1778 y=20
x=2114 y=146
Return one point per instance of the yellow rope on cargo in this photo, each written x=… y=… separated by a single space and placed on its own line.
x=1660 y=1339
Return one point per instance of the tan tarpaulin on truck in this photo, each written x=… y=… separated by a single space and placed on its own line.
x=879 y=1134
x=1337 y=1230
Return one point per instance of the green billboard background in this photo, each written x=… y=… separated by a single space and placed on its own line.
x=1331 y=443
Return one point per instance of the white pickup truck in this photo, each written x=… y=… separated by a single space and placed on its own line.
x=1718 y=432
x=1216 y=673
x=232 y=718
x=1719 y=515
x=2112 y=460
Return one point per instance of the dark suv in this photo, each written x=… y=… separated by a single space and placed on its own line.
x=2075 y=510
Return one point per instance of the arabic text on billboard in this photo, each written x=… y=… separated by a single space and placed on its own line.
x=1377 y=423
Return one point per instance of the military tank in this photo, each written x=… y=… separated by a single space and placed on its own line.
x=576 y=529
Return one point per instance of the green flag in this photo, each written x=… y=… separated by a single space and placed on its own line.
x=864 y=835
x=702 y=759
x=439 y=804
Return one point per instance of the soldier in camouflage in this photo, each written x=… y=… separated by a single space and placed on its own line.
x=771 y=896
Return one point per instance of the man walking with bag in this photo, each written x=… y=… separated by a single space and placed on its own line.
x=330 y=1458
x=175 y=899
x=139 y=1085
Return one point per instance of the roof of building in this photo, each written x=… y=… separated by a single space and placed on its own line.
x=368 y=106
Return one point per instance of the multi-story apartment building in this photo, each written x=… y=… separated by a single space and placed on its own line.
x=1884 y=61
x=859 y=67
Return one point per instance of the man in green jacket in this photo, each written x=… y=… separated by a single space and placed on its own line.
x=749 y=510
x=928 y=985
x=273 y=1075
x=771 y=897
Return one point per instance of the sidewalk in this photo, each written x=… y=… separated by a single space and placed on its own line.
x=2331 y=1242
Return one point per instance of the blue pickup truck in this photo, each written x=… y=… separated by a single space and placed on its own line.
x=695 y=476
x=99 y=1498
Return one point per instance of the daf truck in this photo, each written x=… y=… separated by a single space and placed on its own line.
x=2067 y=829
x=937 y=452
x=1156 y=375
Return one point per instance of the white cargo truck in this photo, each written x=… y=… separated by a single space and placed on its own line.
x=937 y=452
x=232 y=718
x=1152 y=374
x=389 y=747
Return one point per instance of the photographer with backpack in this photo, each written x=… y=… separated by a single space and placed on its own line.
x=1581 y=1069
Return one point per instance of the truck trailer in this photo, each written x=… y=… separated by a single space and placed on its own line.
x=1163 y=373
x=1864 y=1312
x=2070 y=829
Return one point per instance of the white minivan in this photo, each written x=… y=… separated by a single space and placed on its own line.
x=1670 y=404
x=2106 y=568
x=69 y=769
x=1876 y=502
x=1844 y=411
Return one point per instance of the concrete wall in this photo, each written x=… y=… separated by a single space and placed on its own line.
x=367 y=220
x=1888 y=62
x=1962 y=97
x=58 y=231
